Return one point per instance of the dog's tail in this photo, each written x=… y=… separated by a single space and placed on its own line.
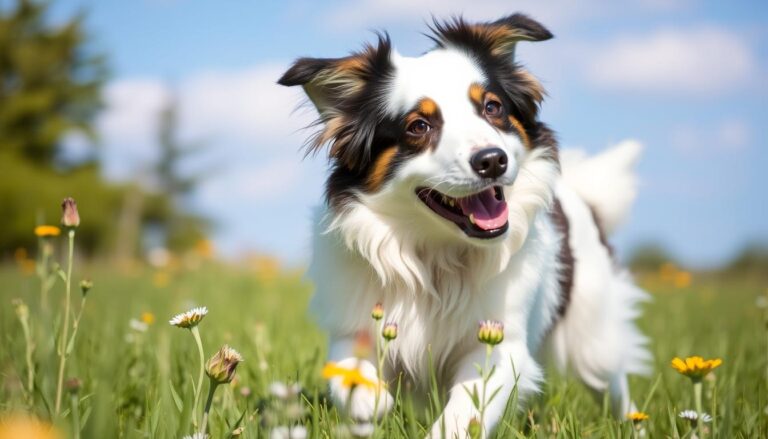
x=606 y=182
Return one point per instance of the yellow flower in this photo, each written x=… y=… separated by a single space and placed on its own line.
x=148 y=318
x=637 y=416
x=28 y=427
x=349 y=377
x=45 y=231
x=695 y=367
x=682 y=279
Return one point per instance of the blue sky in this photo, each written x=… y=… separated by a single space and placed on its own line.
x=685 y=77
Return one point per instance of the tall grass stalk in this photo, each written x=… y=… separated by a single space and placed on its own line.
x=199 y=387
x=63 y=339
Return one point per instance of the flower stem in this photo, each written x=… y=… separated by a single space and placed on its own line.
x=697 y=401
x=486 y=377
x=208 y=403
x=199 y=388
x=379 y=374
x=75 y=416
x=30 y=347
x=65 y=327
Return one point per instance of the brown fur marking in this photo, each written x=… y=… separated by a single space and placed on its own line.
x=379 y=169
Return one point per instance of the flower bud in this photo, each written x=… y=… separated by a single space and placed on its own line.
x=491 y=332
x=475 y=429
x=21 y=308
x=73 y=385
x=221 y=367
x=85 y=286
x=69 y=217
x=389 y=331
x=377 y=312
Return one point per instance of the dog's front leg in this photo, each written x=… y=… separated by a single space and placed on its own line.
x=513 y=370
x=356 y=399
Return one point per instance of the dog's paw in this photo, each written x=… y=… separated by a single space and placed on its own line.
x=355 y=388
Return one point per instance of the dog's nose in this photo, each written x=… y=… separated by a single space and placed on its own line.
x=489 y=162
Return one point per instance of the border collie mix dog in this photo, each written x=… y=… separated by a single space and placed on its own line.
x=449 y=203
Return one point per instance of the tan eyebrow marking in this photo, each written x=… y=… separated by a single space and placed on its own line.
x=521 y=131
x=427 y=107
x=476 y=93
x=380 y=167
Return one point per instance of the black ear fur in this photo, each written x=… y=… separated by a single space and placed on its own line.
x=528 y=28
x=347 y=94
x=303 y=70
x=497 y=38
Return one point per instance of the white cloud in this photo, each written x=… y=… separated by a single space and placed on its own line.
x=703 y=60
x=360 y=14
x=555 y=15
x=240 y=113
x=733 y=134
x=247 y=106
x=727 y=135
x=258 y=180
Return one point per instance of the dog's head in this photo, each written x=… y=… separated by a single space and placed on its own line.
x=443 y=138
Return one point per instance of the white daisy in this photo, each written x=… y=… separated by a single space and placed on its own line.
x=361 y=429
x=189 y=319
x=288 y=432
x=692 y=416
x=280 y=390
x=138 y=325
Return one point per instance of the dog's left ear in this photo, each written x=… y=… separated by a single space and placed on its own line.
x=497 y=38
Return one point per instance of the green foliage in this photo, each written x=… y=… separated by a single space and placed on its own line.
x=752 y=259
x=49 y=82
x=182 y=229
x=31 y=195
x=137 y=383
x=649 y=257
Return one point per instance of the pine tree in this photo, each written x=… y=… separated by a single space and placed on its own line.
x=49 y=81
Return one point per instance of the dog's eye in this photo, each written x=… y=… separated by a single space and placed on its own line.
x=493 y=108
x=418 y=127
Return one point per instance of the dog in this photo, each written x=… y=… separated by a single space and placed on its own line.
x=449 y=202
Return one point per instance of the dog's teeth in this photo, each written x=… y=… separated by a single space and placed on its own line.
x=445 y=199
x=472 y=218
x=451 y=202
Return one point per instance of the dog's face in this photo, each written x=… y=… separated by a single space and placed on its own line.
x=445 y=134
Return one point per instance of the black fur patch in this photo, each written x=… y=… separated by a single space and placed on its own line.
x=565 y=256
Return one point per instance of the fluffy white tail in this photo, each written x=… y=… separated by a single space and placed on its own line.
x=607 y=181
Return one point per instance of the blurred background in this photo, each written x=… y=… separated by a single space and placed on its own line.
x=163 y=119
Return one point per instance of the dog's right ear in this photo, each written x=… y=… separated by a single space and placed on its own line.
x=347 y=94
x=330 y=82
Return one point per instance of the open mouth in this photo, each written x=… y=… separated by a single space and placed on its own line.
x=482 y=215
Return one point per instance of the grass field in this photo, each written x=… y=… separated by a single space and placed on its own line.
x=136 y=370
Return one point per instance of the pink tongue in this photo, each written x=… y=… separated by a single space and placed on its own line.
x=489 y=213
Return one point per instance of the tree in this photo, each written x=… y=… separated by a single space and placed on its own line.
x=182 y=229
x=49 y=82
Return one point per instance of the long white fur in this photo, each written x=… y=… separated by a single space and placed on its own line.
x=436 y=283
x=605 y=181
